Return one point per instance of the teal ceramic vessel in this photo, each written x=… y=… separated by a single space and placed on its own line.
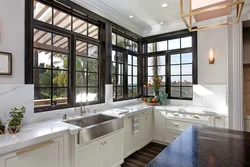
x=163 y=98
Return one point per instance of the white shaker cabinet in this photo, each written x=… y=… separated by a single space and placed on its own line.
x=146 y=127
x=49 y=154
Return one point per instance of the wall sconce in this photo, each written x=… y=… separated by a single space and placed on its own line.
x=211 y=56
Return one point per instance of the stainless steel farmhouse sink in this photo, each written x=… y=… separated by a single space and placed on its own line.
x=95 y=126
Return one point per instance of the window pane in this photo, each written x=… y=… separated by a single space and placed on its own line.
x=113 y=68
x=175 y=70
x=135 y=48
x=42 y=12
x=151 y=91
x=81 y=63
x=119 y=92
x=175 y=59
x=161 y=46
x=120 y=68
x=60 y=95
x=119 y=58
x=42 y=39
x=135 y=59
x=152 y=61
x=60 y=78
x=187 y=81
x=135 y=91
x=175 y=91
x=186 y=42
x=151 y=47
x=93 y=31
x=162 y=89
x=60 y=61
x=92 y=51
x=174 y=44
x=129 y=70
x=81 y=48
x=42 y=59
x=135 y=81
x=187 y=92
x=120 y=41
x=92 y=94
x=135 y=71
x=128 y=44
x=81 y=95
x=120 y=80
x=114 y=92
x=113 y=55
x=62 y=19
x=114 y=82
x=81 y=79
x=113 y=38
x=92 y=79
x=130 y=91
x=129 y=81
x=161 y=70
x=60 y=43
x=186 y=69
x=42 y=78
x=161 y=60
x=92 y=65
x=42 y=97
x=187 y=58
x=175 y=81
x=152 y=71
x=130 y=60
x=79 y=26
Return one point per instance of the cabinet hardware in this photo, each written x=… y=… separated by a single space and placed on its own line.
x=176 y=114
x=31 y=148
x=196 y=116
x=105 y=142
x=174 y=137
x=175 y=124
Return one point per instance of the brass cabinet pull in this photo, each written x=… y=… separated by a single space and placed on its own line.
x=174 y=137
x=31 y=148
x=196 y=116
x=175 y=124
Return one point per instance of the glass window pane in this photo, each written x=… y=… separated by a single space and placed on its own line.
x=92 y=65
x=93 y=51
x=187 y=81
x=42 y=97
x=119 y=57
x=162 y=89
x=152 y=71
x=152 y=61
x=175 y=59
x=130 y=60
x=175 y=70
x=62 y=19
x=130 y=91
x=120 y=41
x=186 y=42
x=135 y=71
x=161 y=70
x=135 y=59
x=42 y=12
x=161 y=46
x=120 y=68
x=114 y=92
x=81 y=48
x=60 y=61
x=151 y=47
x=129 y=81
x=81 y=79
x=175 y=81
x=60 y=95
x=187 y=92
x=42 y=78
x=135 y=47
x=113 y=55
x=60 y=78
x=42 y=39
x=161 y=60
x=120 y=92
x=79 y=26
x=175 y=91
x=113 y=80
x=135 y=81
x=128 y=44
x=174 y=44
x=113 y=38
x=120 y=80
x=150 y=91
x=92 y=79
x=113 y=68
x=187 y=58
x=42 y=59
x=92 y=94
x=186 y=69
x=60 y=43
x=81 y=95
x=129 y=70
x=135 y=91
x=81 y=63
x=93 y=31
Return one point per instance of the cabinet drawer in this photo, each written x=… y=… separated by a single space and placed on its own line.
x=191 y=117
x=171 y=136
x=173 y=124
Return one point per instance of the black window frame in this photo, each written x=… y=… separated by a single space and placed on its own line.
x=169 y=36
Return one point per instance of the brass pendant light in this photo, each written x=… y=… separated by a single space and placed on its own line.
x=203 y=10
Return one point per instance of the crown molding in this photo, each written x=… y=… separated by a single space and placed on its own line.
x=109 y=13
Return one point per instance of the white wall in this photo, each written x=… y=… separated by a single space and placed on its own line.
x=12 y=37
x=212 y=39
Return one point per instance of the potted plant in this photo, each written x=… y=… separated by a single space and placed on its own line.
x=156 y=81
x=17 y=115
x=2 y=127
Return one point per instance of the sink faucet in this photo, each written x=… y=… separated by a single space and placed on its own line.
x=83 y=109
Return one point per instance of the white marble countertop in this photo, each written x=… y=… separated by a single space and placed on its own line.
x=42 y=131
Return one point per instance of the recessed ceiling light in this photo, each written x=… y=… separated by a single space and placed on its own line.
x=164 y=5
x=161 y=22
x=131 y=16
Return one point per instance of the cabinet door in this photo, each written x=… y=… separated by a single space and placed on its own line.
x=114 y=150
x=49 y=154
x=131 y=141
x=90 y=155
x=149 y=126
x=159 y=127
x=143 y=129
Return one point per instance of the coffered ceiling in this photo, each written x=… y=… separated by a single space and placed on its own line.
x=147 y=14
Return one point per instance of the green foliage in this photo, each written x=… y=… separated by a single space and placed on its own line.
x=1 y=123
x=17 y=115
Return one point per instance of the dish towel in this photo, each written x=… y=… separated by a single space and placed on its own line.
x=135 y=124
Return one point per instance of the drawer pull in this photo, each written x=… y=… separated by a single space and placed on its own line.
x=175 y=124
x=174 y=137
x=25 y=150
x=176 y=114
x=196 y=116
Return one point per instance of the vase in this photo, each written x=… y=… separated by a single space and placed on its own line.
x=163 y=98
x=157 y=95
